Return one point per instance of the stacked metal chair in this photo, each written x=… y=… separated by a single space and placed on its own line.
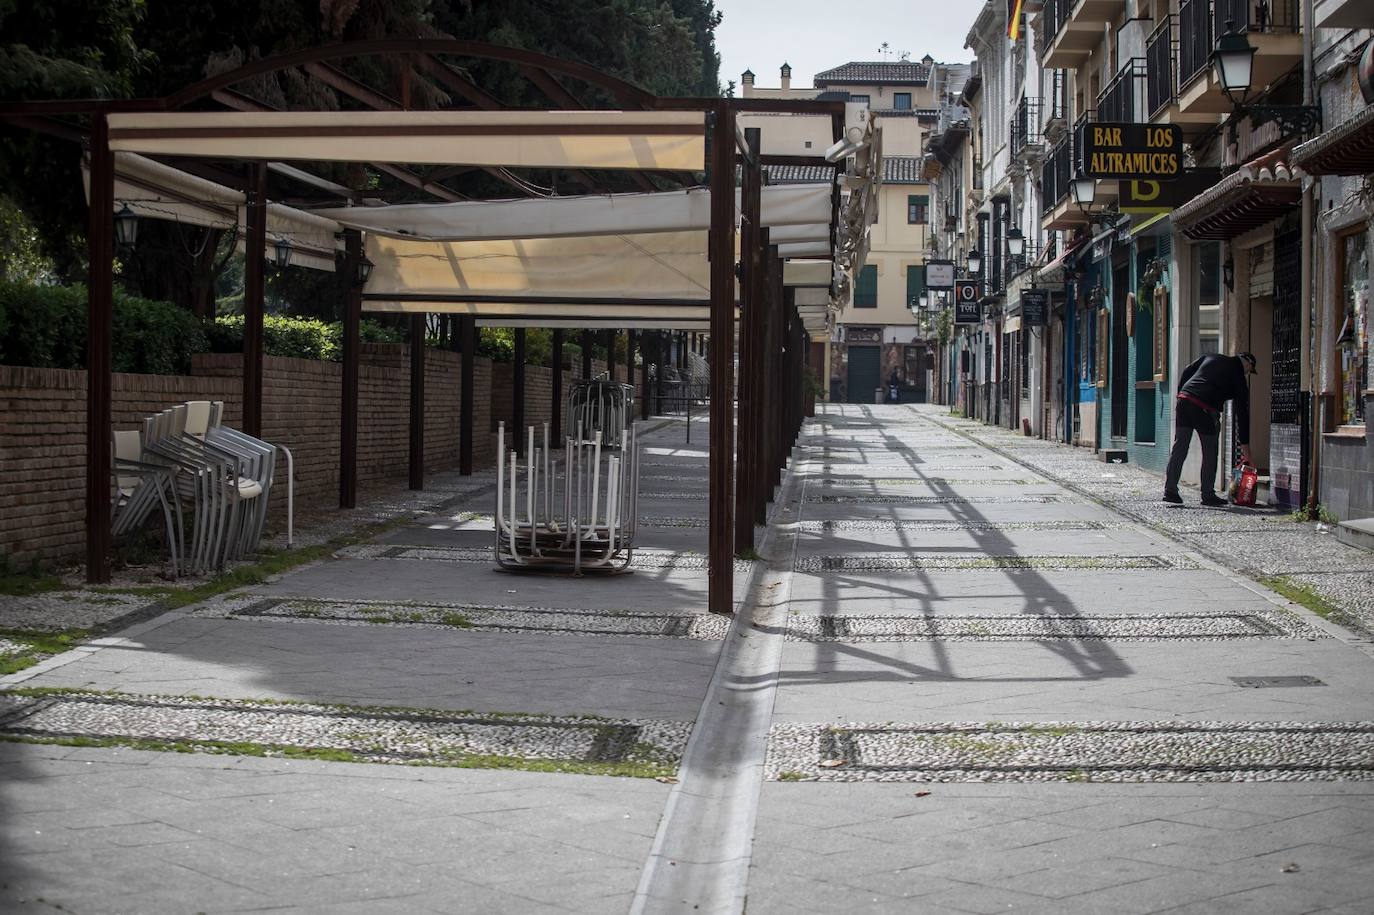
x=139 y=488
x=220 y=475
x=576 y=512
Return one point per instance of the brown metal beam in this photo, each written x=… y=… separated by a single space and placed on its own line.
x=417 y=400
x=457 y=81
x=751 y=354
x=99 y=345
x=337 y=79
x=348 y=413
x=254 y=289
x=556 y=394
x=721 y=247
x=517 y=392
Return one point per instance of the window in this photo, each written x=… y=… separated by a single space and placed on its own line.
x=858 y=98
x=866 y=289
x=917 y=209
x=1352 y=328
x=901 y=101
x=915 y=284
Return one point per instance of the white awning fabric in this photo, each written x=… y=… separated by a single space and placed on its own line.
x=799 y=212
x=156 y=191
x=669 y=140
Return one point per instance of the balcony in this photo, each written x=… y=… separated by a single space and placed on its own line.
x=1056 y=104
x=1123 y=99
x=1161 y=56
x=1055 y=174
x=1072 y=29
x=1026 y=140
x=1272 y=29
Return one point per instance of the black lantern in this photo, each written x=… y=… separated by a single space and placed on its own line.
x=364 y=271
x=1084 y=190
x=975 y=261
x=1016 y=242
x=1233 y=60
x=282 y=255
x=1228 y=273
x=126 y=227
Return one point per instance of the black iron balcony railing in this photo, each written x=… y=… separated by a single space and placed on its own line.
x=1025 y=129
x=1056 y=100
x=1161 y=50
x=1052 y=19
x=1056 y=173
x=1254 y=16
x=1194 y=38
x=1118 y=102
x=1015 y=265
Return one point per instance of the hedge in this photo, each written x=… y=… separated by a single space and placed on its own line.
x=45 y=326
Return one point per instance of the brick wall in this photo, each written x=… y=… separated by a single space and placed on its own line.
x=43 y=438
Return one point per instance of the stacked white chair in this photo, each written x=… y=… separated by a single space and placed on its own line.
x=140 y=487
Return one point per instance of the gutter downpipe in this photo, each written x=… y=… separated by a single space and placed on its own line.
x=1309 y=366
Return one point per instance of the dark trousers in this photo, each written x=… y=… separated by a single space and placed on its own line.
x=1190 y=418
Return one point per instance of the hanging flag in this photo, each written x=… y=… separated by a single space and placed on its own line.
x=1014 y=19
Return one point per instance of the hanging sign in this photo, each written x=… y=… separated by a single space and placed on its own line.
x=863 y=335
x=968 y=307
x=1152 y=196
x=940 y=274
x=1034 y=303
x=1131 y=151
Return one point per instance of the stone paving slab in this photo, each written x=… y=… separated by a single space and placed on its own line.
x=164 y=832
x=817 y=538
x=1203 y=624
x=378 y=665
x=1068 y=680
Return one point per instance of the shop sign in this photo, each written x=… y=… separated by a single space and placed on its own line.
x=968 y=297
x=1149 y=196
x=1131 y=151
x=863 y=335
x=940 y=274
x=1033 y=306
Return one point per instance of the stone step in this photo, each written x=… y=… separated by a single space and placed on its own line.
x=1358 y=533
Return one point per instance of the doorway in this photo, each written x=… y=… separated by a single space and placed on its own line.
x=865 y=373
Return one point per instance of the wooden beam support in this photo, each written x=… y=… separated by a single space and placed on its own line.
x=99 y=347
x=348 y=418
x=720 y=571
x=467 y=335
x=254 y=290
x=417 y=400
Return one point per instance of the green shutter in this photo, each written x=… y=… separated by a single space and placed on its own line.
x=866 y=289
x=915 y=283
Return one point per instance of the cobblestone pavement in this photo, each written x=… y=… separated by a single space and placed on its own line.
x=972 y=674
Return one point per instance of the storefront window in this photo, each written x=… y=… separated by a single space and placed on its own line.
x=1209 y=298
x=1352 y=335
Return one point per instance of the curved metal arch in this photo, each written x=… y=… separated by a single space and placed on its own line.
x=626 y=92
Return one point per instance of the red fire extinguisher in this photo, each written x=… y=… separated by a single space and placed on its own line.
x=1244 y=484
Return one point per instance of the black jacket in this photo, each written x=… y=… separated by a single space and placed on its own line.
x=1215 y=379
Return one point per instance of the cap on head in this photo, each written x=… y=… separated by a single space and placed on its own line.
x=1249 y=360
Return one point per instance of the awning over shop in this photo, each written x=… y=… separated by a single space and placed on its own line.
x=1053 y=272
x=1256 y=193
x=1347 y=149
x=668 y=140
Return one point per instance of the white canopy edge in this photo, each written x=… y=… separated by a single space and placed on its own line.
x=805 y=249
x=660 y=266
x=807 y=273
x=156 y=191
x=501 y=313
x=669 y=140
x=804 y=207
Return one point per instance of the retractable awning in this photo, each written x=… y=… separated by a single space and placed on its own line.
x=662 y=140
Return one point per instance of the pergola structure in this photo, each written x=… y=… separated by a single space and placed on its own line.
x=659 y=255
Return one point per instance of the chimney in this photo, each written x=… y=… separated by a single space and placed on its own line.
x=786 y=77
x=746 y=82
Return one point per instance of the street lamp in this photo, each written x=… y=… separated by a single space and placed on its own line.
x=282 y=255
x=1084 y=190
x=1016 y=242
x=1233 y=60
x=126 y=227
x=925 y=301
x=975 y=261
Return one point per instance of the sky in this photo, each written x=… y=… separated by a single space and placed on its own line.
x=815 y=35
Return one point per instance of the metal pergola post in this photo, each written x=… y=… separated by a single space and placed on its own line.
x=254 y=288
x=517 y=392
x=644 y=374
x=467 y=335
x=609 y=337
x=587 y=338
x=631 y=339
x=751 y=355
x=417 y=400
x=99 y=346
x=556 y=387
x=721 y=247
x=348 y=403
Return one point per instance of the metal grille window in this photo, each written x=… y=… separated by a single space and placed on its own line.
x=866 y=288
x=1352 y=332
x=901 y=101
x=1286 y=331
x=917 y=209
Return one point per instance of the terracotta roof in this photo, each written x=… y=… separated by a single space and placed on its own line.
x=799 y=174
x=925 y=114
x=903 y=169
x=907 y=72
x=1261 y=190
x=1344 y=150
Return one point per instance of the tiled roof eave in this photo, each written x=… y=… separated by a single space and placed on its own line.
x=1347 y=149
x=1236 y=211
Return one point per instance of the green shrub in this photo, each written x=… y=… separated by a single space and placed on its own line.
x=45 y=326
x=302 y=338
